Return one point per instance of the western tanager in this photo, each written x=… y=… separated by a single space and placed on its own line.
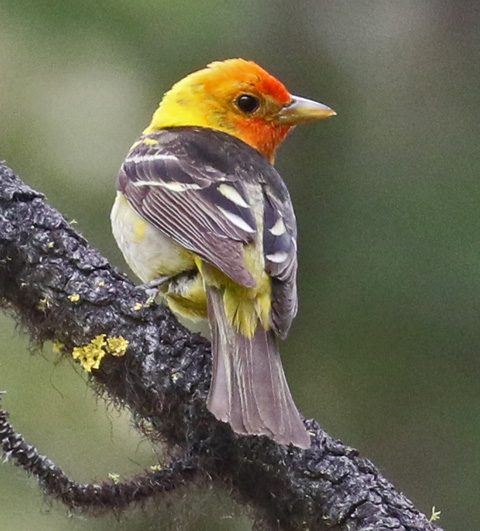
x=201 y=210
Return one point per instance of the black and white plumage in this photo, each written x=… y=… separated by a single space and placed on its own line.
x=188 y=193
x=179 y=181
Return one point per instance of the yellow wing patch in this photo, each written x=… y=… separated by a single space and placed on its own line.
x=150 y=141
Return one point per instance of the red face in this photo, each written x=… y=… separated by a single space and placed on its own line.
x=248 y=101
x=240 y=98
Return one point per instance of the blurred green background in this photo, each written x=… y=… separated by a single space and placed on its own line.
x=385 y=350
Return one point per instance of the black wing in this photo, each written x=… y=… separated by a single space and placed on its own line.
x=190 y=183
x=280 y=250
x=174 y=181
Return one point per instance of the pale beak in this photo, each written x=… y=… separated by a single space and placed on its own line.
x=301 y=110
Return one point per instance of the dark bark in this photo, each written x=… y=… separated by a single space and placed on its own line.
x=163 y=379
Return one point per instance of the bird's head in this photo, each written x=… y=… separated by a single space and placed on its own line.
x=240 y=98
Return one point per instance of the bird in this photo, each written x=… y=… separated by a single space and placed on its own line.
x=202 y=214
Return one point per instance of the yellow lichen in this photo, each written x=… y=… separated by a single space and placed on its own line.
x=117 y=346
x=149 y=301
x=91 y=355
x=114 y=477
x=101 y=283
x=138 y=306
x=75 y=297
x=156 y=468
x=58 y=347
x=43 y=304
x=435 y=515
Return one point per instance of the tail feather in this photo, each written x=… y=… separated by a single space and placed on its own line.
x=249 y=389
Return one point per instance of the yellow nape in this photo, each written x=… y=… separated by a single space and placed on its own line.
x=186 y=104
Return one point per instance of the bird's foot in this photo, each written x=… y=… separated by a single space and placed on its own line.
x=152 y=288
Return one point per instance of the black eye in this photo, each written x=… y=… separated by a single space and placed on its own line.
x=247 y=103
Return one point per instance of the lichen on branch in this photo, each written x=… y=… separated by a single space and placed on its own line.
x=63 y=290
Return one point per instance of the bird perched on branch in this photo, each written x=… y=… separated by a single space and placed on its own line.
x=201 y=212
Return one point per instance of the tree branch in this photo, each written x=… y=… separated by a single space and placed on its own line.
x=63 y=290
x=113 y=495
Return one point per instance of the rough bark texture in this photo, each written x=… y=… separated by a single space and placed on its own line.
x=163 y=379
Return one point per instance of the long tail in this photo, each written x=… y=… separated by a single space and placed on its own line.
x=249 y=389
